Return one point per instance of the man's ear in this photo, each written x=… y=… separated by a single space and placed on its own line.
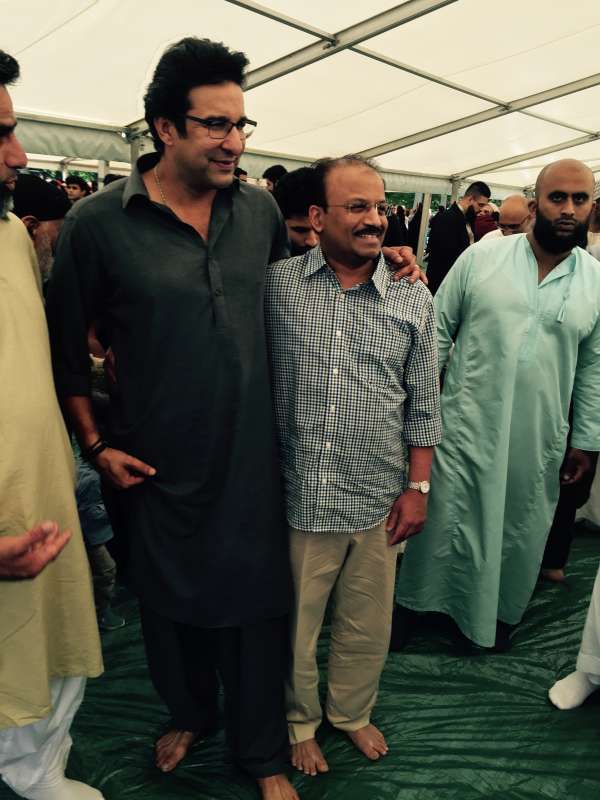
x=31 y=223
x=316 y=215
x=532 y=205
x=166 y=130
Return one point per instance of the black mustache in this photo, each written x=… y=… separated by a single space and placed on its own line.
x=371 y=229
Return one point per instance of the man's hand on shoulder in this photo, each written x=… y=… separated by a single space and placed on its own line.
x=407 y=516
x=122 y=470
x=26 y=555
x=405 y=263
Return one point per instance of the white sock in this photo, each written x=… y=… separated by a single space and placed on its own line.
x=570 y=692
x=65 y=789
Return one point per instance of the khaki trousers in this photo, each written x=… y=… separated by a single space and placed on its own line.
x=360 y=568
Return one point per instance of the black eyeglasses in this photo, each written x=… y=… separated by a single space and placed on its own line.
x=219 y=128
x=358 y=208
x=512 y=226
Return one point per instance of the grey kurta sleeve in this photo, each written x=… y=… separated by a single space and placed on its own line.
x=281 y=243
x=74 y=294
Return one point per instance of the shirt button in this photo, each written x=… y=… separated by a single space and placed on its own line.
x=327 y=445
x=336 y=371
x=338 y=334
x=332 y=409
x=324 y=481
x=218 y=292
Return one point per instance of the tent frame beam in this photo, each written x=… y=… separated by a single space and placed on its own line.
x=71 y=123
x=342 y=40
x=500 y=110
x=291 y=22
x=350 y=38
x=328 y=44
x=543 y=151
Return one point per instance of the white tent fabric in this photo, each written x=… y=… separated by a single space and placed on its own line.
x=437 y=90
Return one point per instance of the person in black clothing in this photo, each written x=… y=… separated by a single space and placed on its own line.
x=396 y=234
x=414 y=227
x=42 y=207
x=274 y=174
x=453 y=232
x=560 y=538
x=294 y=193
x=401 y=214
x=172 y=263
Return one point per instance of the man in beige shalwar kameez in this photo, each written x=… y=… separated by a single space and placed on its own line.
x=48 y=637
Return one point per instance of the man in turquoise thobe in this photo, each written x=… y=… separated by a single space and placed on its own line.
x=524 y=314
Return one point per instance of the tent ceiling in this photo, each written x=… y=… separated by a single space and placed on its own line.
x=435 y=87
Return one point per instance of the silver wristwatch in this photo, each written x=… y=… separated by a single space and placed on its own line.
x=420 y=486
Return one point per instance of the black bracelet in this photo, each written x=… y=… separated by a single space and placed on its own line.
x=90 y=453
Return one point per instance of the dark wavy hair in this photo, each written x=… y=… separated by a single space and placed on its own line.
x=9 y=69
x=478 y=189
x=184 y=65
x=296 y=192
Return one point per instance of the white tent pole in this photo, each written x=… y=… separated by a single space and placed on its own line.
x=102 y=170
x=455 y=189
x=423 y=227
x=64 y=167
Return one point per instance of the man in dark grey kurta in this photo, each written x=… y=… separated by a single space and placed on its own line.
x=171 y=263
x=185 y=321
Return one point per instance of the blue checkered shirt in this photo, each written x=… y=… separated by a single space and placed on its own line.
x=355 y=378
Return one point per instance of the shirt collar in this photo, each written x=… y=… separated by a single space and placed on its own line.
x=135 y=183
x=381 y=276
x=315 y=260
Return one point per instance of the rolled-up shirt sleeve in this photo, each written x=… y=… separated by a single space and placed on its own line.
x=75 y=292
x=422 y=418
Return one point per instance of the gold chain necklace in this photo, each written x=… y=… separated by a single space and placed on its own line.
x=160 y=189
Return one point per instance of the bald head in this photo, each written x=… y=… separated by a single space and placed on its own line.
x=563 y=205
x=566 y=169
x=515 y=216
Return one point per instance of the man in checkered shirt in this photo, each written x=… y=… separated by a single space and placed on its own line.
x=354 y=362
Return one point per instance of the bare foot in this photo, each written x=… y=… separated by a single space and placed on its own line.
x=277 y=787
x=172 y=748
x=369 y=740
x=308 y=758
x=554 y=575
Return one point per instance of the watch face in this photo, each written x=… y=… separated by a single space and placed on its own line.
x=425 y=487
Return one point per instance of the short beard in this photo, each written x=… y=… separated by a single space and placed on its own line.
x=551 y=242
x=6 y=201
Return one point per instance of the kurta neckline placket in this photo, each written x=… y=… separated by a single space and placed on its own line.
x=535 y=300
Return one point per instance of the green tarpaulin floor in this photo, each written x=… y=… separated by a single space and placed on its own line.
x=458 y=727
